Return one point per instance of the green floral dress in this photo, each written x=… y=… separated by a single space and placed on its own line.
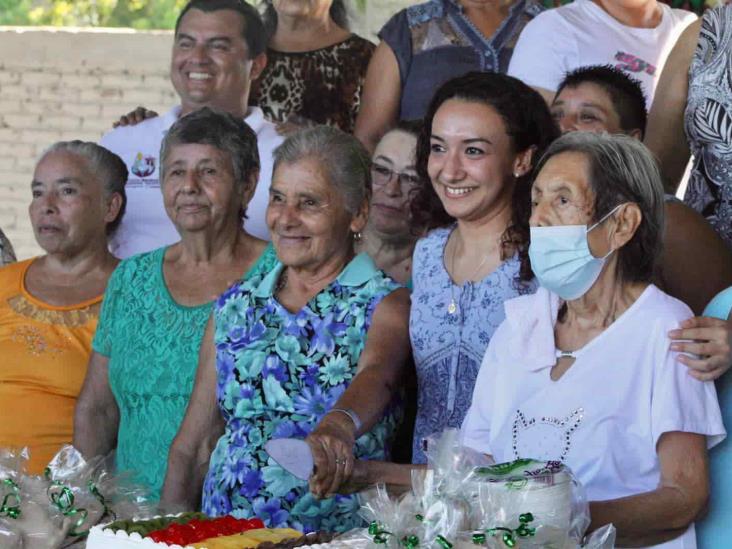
x=152 y=344
x=278 y=374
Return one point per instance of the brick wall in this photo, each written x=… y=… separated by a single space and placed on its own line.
x=72 y=83
x=67 y=84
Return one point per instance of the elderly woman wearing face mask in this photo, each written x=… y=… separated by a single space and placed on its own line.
x=146 y=346
x=637 y=440
x=283 y=347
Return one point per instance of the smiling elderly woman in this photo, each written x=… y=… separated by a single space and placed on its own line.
x=284 y=347
x=637 y=439
x=155 y=311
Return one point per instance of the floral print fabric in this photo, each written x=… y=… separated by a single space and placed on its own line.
x=448 y=348
x=278 y=374
x=708 y=122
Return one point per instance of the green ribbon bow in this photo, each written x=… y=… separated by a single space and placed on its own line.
x=378 y=532
x=10 y=506
x=62 y=498
x=509 y=536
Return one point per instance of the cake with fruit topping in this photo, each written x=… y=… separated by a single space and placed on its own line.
x=188 y=530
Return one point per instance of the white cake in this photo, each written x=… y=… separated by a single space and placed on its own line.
x=102 y=537
x=339 y=544
x=99 y=538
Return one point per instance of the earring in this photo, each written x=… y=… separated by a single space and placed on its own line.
x=357 y=237
x=516 y=175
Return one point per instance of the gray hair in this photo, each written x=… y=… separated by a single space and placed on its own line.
x=621 y=169
x=224 y=131
x=345 y=161
x=109 y=169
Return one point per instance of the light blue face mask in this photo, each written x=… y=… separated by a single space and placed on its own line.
x=562 y=261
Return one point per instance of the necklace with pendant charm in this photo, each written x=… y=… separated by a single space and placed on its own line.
x=452 y=306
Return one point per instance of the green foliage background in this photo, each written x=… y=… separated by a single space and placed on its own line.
x=138 y=14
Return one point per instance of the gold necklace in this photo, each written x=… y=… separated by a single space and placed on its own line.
x=452 y=307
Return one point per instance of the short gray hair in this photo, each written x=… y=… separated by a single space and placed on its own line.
x=222 y=130
x=345 y=161
x=621 y=169
x=104 y=164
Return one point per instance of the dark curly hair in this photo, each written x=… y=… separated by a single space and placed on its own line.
x=529 y=124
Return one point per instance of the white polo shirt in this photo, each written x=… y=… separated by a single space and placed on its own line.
x=582 y=33
x=145 y=226
x=603 y=418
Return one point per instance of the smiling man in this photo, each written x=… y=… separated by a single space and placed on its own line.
x=218 y=50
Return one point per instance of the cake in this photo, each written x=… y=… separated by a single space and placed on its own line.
x=353 y=543
x=187 y=530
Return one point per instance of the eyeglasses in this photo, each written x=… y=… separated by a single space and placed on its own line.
x=381 y=175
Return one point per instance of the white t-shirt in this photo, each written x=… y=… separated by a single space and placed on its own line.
x=582 y=33
x=145 y=226
x=604 y=416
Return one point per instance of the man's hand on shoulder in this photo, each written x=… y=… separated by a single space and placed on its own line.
x=132 y=118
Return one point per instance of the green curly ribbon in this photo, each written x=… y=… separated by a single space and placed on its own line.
x=410 y=542
x=378 y=533
x=10 y=506
x=62 y=498
x=97 y=494
x=420 y=518
x=479 y=538
x=442 y=540
x=509 y=536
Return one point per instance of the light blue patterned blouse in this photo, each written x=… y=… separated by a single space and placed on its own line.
x=448 y=348
x=278 y=374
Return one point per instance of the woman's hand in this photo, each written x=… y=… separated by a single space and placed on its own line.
x=332 y=445
x=710 y=341
x=379 y=373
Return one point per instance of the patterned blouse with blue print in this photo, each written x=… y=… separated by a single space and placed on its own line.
x=448 y=347
x=278 y=374
x=435 y=41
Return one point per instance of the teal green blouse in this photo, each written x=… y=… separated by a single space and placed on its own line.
x=152 y=343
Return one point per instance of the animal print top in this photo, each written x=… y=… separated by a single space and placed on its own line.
x=708 y=122
x=320 y=86
x=6 y=251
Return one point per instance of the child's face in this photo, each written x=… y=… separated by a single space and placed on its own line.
x=586 y=108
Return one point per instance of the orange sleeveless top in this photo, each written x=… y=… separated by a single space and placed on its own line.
x=44 y=352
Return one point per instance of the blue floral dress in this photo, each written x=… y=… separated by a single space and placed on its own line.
x=278 y=374
x=448 y=348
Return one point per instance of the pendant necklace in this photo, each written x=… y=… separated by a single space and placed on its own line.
x=452 y=307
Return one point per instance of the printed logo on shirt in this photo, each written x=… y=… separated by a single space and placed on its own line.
x=144 y=165
x=546 y=438
x=630 y=63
